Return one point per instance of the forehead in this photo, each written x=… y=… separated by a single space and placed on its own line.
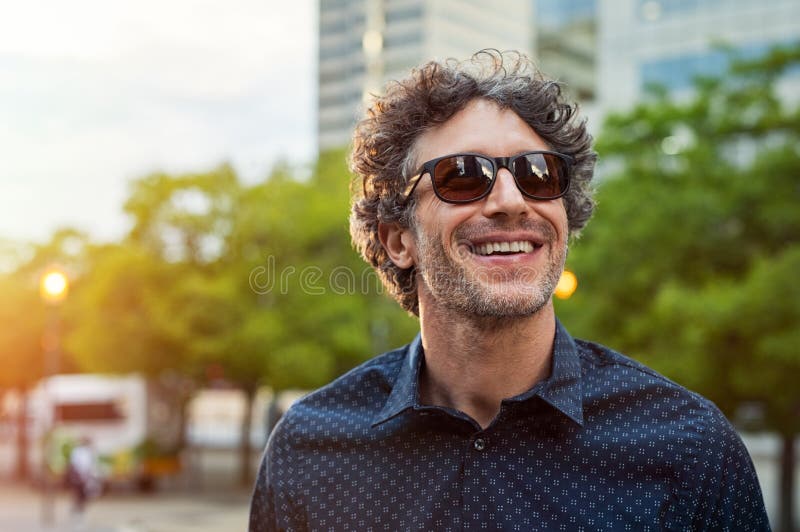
x=482 y=127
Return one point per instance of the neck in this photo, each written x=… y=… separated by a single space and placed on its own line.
x=473 y=363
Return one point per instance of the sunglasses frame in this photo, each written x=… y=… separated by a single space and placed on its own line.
x=497 y=163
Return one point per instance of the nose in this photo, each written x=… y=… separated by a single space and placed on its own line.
x=505 y=199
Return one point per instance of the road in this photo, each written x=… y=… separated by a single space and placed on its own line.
x=21 y=510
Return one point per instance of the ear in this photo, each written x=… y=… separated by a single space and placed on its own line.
x=399 y=243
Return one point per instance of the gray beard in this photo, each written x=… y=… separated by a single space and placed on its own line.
x=523 y=293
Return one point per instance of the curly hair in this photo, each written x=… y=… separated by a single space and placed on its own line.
x=383 y=155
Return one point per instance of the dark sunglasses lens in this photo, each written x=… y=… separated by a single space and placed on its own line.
x=462 y=177
x=541 y=175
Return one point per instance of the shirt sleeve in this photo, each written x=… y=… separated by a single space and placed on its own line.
x=273 y=506
x=728 y=495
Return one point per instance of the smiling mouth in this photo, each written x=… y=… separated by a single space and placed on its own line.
x=505 y=248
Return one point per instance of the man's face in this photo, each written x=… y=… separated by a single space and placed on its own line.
x=455 y=245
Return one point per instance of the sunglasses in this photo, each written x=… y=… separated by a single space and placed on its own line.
x=466 y=177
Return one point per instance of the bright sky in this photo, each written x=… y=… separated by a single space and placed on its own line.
x=95 y=93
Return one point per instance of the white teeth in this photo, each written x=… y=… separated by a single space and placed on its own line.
x=518 y=246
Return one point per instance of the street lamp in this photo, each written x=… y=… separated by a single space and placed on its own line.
x=53 y=289
x=53 y=286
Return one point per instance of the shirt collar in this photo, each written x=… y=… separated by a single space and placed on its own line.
x=404 y=393
x=562 y=390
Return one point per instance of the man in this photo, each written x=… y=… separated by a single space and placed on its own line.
x=82 y=475
x=473 y=178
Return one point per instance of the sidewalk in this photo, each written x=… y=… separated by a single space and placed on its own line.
x=21 y=509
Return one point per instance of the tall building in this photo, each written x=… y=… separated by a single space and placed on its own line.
x=669 y=42
x=606 y=52
x=365 y=43
x=565 y=44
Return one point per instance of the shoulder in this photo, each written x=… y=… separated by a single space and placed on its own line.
x=353 y=398
x=611 y=371
x=598 y=357
x=712 y=465
x=716 y=482
x=612 y=380
x=358 y=386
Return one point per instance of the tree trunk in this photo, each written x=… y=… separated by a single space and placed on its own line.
x=183 y=423
x=245 y=450
x=22 y=472
x=786 y=507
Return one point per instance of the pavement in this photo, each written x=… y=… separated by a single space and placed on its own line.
x=22 y=509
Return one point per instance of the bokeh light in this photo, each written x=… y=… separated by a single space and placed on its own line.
x=567 y=285
x=54 y=286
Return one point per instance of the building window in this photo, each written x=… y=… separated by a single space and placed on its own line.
x=559 y=13
x=403 y=39
x=403 y=13
x=678 y=72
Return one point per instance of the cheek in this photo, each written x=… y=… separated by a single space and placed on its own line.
x=430 y=220
x=565 y=227
x=560 y=219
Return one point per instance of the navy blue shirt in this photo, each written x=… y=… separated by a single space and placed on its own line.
x=603 y=444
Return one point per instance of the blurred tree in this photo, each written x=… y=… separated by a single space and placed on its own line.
x=251 y=285
x=185 y=221
x=311 y=309
x=691 y=264
x=149 y=304
x=117 y=329
x=184 y=218
x=22 y=314
x=13 y=254
x=24 y=317
x=120 y=323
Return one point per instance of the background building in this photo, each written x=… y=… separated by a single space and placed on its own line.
x=565 y=43
x=364 y=43
x=669 y=42
x=606 y=52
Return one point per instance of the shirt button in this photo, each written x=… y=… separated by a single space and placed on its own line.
x=479 y=444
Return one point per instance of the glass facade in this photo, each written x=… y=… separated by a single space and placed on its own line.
x=559 y=13
x=678 y=72
x=652 y=10
x=566 y=43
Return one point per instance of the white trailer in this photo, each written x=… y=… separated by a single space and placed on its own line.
x=116 y=414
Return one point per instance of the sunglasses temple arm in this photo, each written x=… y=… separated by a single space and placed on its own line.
x=412 y=184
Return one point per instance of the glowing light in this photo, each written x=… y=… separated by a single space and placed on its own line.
x=372 y=43
x=54 y=286
x=566 y=285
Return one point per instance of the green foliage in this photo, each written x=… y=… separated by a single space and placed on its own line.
x=115 y=314
x=310 y=310
x=27 y=323
x=184 y=218
x=691 y=261
x=259 y=281
x=21 y=354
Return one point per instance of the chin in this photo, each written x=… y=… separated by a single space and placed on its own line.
x=501 y=304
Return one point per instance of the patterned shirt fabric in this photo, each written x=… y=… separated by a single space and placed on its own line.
x=603 y=444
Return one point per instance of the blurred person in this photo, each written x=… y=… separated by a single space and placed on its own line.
x=82 y=476
x=473 y=176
